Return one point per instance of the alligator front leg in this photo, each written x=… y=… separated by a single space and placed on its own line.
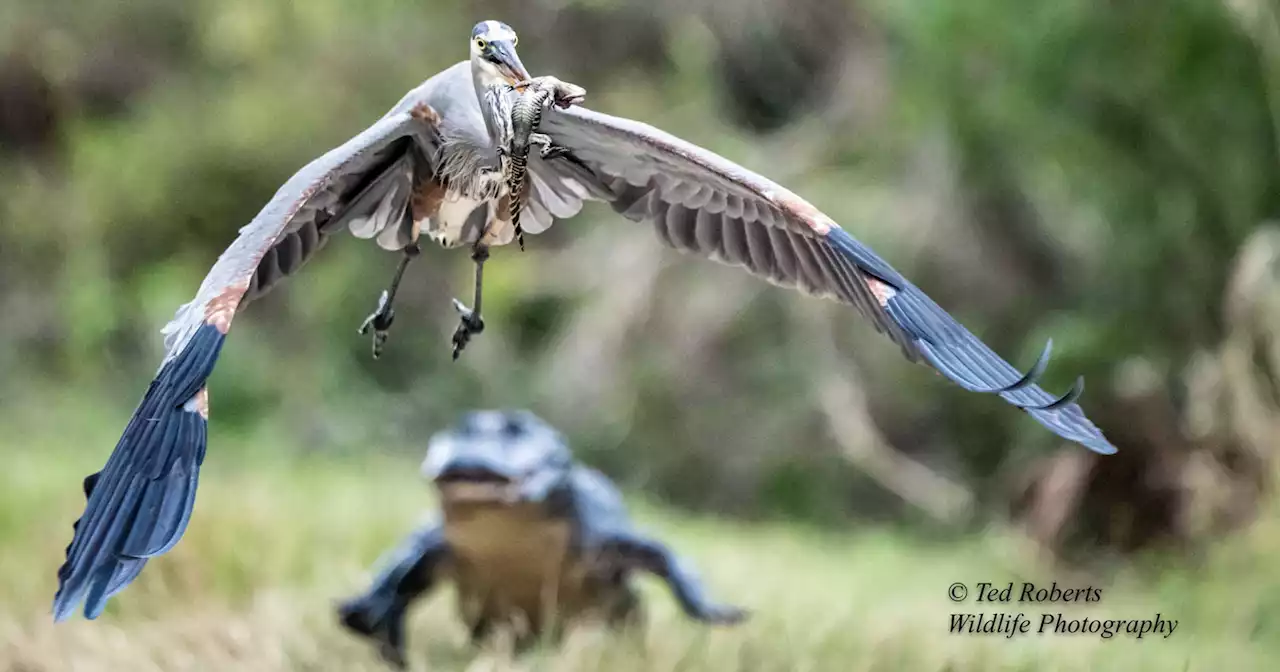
x=409 y=573
x=563 y=94
x=546 y=148
x=640 y=552
x=382 y=318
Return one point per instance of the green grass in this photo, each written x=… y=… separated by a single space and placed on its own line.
x=275 y=540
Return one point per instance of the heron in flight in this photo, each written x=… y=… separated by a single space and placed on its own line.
x=432 y=164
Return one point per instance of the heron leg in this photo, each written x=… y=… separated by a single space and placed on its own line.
x=471 y=323
x=382 y=318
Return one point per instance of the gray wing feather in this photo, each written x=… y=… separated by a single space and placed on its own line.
x=550 y=200
x=363 y=184
x=382 y=202
x=326 y=194
x=701 y=203
x=557 y=191
x=138 y=505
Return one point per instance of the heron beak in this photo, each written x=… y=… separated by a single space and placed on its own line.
x=508 y=62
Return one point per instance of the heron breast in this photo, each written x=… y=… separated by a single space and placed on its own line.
x=463 y=219
x=449 y=225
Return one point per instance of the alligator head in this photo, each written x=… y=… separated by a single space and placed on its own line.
x=497 y=458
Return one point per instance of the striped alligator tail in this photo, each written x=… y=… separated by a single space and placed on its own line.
x=526 y=114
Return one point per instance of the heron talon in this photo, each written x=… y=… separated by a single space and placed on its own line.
x=470 y=325
x=380 y=320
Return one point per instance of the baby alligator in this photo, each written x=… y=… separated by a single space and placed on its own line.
x=526 y=114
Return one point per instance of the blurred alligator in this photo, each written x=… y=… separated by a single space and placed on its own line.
x=532 y=539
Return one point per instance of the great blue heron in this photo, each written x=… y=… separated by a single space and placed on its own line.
x=430 y=164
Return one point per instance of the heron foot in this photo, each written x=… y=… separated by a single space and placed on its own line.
x=380 y=320
x=470 y=325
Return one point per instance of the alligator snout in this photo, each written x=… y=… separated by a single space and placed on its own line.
x=472 y=473
x=476 y=480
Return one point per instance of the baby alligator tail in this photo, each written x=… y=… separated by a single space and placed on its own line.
x=526 y=115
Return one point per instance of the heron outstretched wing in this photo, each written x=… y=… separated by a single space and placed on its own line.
x=138 y=505
x=702 y=203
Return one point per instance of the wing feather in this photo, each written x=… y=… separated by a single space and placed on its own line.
x=704 y=204
x=138 y=505
x=734 y=244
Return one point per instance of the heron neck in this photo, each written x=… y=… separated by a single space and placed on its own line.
x=481 y=82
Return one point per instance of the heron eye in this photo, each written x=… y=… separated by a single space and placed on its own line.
x=480 y=43
x=515 y=40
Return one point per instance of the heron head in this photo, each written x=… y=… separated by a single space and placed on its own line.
x=493 y=54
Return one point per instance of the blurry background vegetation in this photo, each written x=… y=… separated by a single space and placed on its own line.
x=1102 y=172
